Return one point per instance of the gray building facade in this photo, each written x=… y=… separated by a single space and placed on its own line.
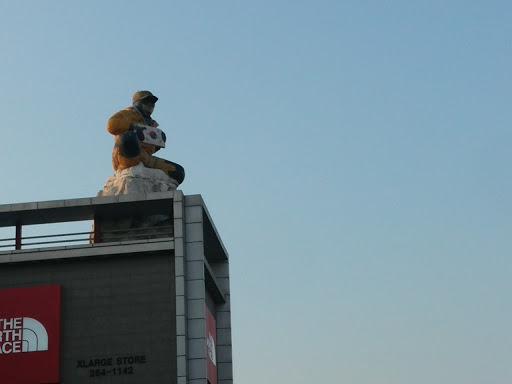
x=150 y=305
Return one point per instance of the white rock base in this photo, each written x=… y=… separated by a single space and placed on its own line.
x=138 y=179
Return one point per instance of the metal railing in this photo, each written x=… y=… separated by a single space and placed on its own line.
x=85 y=238
x=45 y=240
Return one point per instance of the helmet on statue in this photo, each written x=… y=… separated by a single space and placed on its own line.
x=142 y=95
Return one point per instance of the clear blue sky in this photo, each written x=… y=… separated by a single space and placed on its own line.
x=354 y=155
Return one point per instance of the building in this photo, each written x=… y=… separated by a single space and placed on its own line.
x=143 y=304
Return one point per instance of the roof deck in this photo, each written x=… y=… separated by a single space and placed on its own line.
x=99 y=238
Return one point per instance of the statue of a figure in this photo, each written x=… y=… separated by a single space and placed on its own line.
x=137 y=138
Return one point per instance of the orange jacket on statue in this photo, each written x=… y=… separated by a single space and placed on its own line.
x=119 y=124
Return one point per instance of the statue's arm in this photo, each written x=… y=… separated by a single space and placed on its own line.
x=120 y=122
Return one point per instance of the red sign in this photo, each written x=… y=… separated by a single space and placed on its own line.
x=30 y=335
x=211 y=347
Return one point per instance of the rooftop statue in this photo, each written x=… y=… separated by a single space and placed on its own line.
x=137 y=138
x=138 y=171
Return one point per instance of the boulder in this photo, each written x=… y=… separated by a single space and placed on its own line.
x=138 y=179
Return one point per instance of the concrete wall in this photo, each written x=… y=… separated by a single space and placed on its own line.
x=206 y=260
x=112 y=308
x=143 y=299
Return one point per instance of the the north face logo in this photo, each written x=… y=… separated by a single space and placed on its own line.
x=210 y=344
x=30 y=319
x=22 y=334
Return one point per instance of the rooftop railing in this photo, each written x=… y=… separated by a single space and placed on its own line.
x=86 y=221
